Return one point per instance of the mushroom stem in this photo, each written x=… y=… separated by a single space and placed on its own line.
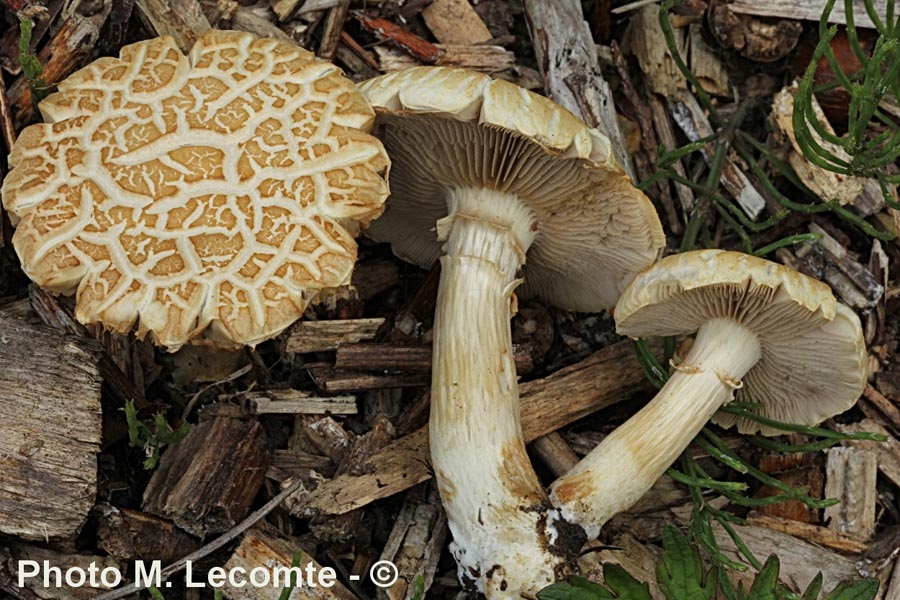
x=503 y=537
x=619 y=470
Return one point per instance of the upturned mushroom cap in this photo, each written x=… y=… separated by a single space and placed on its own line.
x=813 y=355
x=450 y=128
x=218 y=191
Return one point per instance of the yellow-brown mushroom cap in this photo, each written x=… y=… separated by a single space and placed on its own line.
x=214 y=194
x=813 y=354
x=448 y=128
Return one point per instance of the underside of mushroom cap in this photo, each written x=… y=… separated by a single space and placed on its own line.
x=813 y=356
x=449 y=128
x=203 y=198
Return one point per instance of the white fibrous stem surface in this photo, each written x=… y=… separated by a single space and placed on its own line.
x=619 y=470
x=505 y=537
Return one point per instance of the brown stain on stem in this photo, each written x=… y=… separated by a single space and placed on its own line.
x=575 y=488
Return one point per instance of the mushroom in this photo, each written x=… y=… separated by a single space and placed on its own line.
x=214 y=195
x=765 y=334
x=494 y=172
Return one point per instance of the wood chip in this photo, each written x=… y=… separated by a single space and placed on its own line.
x=705 y=63
x=420 y=49
x=760 y=40
x=406 y=357
x=851 y=280
x=693 y=122
x=810 y=10
x=887 y=453
x=801 y=561
x=823 y=536
x=892 y=590
x=415 y=542
x=321 y=336
x=331 y=32
x=199 y=491
x=246 y=18
x=871 y=200
x=373 y=277
x=638 y=559
x=118 y=384
x=884 y=405
x=484 y=58
x=334 y=380
x=50 y=431
x=284 y=9
x=6 y=123
x=292 y=462
x=827 y=185
x=219 y=12
x=133 y=535
x=311 y=6
x=662 y=123
x=342 y=528
x=182 y=19
x=645 y=40
x=850 y=477
x=293 y=402
x=555 y=453
x=567 y=58
x=799 y=470
x=329 y=437
x=604 y=378
x=455 y=22
x=269 y=550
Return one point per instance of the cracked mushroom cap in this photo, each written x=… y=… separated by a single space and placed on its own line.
x=213 y=194
x=813 y=355
x=446 y=128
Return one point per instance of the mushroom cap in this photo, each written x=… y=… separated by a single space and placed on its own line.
x=214 y=194
x=449 y=128
x=813 y=354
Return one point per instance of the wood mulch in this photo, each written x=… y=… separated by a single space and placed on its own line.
x=316 y=440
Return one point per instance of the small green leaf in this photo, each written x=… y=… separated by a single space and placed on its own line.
x=292 y=578
x=151 y=440
x=864 y=589
x=576 y=588
x=623 y=585
x=151 y=461
x=680 y=573
x=765 y=586
x=132 y=420
x=814 y=588
x=155 y=593
x=419 y=586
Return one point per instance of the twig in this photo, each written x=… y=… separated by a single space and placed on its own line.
x=631 y=6
x=193 y=401
x=6 y=121
x=359 y=51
